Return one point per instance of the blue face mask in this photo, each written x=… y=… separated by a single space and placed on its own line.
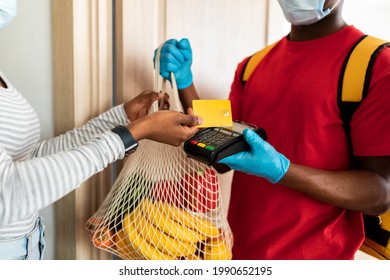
x=304 y=12
x=8 y=10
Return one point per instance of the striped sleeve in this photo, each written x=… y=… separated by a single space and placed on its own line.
x=79 y=136
x=34 y=184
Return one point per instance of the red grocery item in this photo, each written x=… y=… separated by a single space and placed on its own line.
x=201 y=190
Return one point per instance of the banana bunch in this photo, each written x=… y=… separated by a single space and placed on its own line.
x=161 y=231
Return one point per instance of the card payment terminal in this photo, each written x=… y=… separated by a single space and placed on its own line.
x=212 y=144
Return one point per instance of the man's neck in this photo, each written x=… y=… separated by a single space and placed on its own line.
x=327 y=26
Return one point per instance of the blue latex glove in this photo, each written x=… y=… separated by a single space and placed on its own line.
x=176 y=57
x=262 y=160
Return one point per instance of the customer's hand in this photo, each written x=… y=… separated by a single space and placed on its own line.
x=169 y=127
x=262 y=160
x=176 y=57
x=139 y=106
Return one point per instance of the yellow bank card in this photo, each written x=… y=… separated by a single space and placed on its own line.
x=215 y=113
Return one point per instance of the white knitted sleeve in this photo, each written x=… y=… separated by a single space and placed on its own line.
x=30 y=185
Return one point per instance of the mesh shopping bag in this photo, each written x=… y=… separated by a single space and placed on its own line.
x=163 y=205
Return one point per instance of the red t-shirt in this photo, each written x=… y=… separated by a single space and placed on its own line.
x=292 y=94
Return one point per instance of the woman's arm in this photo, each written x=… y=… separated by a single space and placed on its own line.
x=30 y=185
x=122 y=114
x=79 y=136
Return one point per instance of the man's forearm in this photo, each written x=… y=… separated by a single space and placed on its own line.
x=187 y=95
x=359 y=190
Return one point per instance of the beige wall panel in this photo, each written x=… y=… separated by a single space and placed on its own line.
x=82 y=56
x=139 y=29
x=222 y=33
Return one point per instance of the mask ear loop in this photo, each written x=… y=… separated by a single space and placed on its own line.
x=329 y=10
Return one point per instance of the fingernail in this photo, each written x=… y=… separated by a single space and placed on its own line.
x=200 y=120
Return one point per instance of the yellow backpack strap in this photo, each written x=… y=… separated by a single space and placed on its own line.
x=377 y=235
x=355 y=76
x=253 y=61
x=354 y=82
x=357 y=68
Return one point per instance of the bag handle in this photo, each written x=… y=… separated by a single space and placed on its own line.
x=160 y=85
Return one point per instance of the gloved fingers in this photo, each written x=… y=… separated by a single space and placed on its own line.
x=185 y=47
x=231 y=160
x=166 y=68
x=168 y=57
x=184 y=44
x=170 y=46
x=172 y=42
x=257 y=143
x=170 y=51
x=187 y=54
x=253 y=139
x=165 y=74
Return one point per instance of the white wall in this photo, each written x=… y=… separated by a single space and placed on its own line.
x=25 y=59
x=372 y=17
